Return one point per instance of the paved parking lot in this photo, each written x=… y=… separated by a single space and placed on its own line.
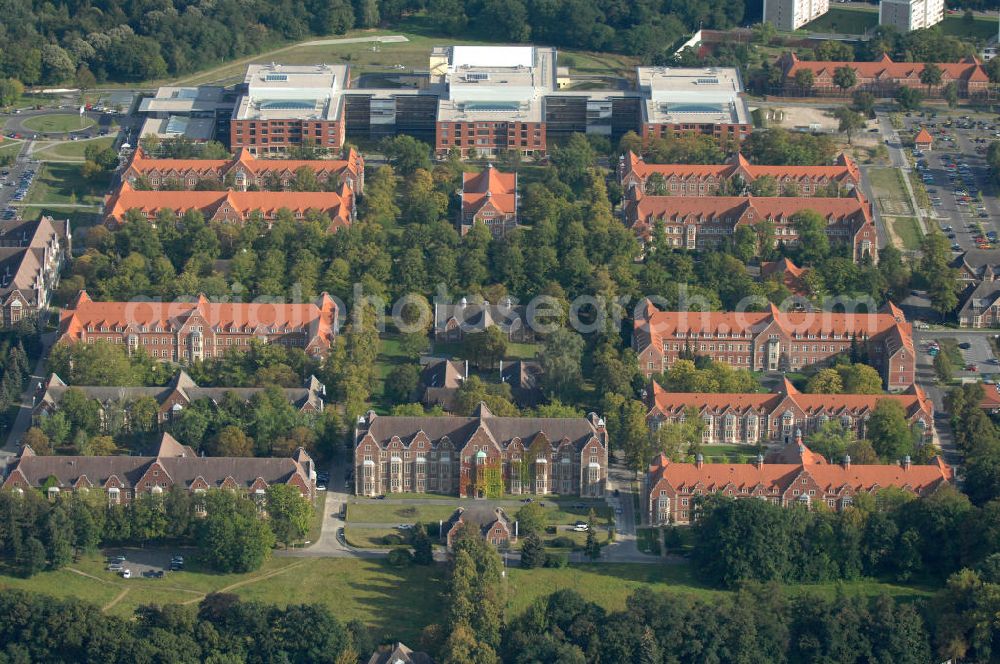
x=143 y=562
x=964 y=202
x=978 y=354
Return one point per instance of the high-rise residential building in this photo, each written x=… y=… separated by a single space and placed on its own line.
x=793 y=14
x=909 y=15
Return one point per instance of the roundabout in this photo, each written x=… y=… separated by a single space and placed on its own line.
x=55 y=123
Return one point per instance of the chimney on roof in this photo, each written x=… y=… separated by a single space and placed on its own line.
x=699 y=460
x=846 y=463
x=798 y=441
x=906 y=462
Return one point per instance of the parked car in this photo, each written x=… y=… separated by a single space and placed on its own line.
x=126 y=574
x=581 y=527
x=965 y=345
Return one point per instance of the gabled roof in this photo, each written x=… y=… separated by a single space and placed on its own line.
x=179 y=462
x=141 y=163
x=844 y=169
x=885 y=68
x=337 y=205
x=578 y=431
x=317 y=319
x=489 y=187
x=727 y=209
x=656 y=324
x=830 y=477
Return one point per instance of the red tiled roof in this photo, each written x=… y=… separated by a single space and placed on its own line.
x=791 y=274
x=656 y=324
x=489 y=186
x=708 y=209
x=338 y=206
x=318 y=319
x=923 y=137
x=142 y=163
x=830 y=477
x=844 y=169
x=675 y=402
x=887 y=69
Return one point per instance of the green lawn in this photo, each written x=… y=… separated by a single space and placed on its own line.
x=316 y=523
x=367 y=538
x=515 y=351
x=908 y=231
x=844 y=20
x=63 y=183
x=58 y=122
x=71 y=149
x=380 y=511
x=979 y=29
x=9 y=147
x=560 y=511
x=950 y=348
x=889 y=191
x=422 y=35
x=609 y=584
x=396 y=603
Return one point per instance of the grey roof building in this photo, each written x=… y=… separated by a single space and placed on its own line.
x=31 y=255
x=174 y=465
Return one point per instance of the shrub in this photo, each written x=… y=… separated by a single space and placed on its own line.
x=556 y=560
x=562 y=542
x=393 y=539
x=400 y=558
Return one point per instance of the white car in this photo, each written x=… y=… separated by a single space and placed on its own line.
x=581 y=528
x=404 y=526
x=126 y=574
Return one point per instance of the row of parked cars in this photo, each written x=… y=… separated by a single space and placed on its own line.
x=23 y=184
x=118 y=565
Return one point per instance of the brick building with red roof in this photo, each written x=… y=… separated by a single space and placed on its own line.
x=244 y=170
x=923 y=140
x=122 y=478
x=709 y=179
x=671 y=489
x=489 y=197
x=884 y=76
x=776 y=341
x=775 y=417
x=189 y=331
x=703 y=222
x=788 y=273
x=233 y=206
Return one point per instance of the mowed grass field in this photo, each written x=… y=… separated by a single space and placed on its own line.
x=70 y=150
x=58 y=122
x=422 y=35
x=64 y=184
x=844 y=20
x=395 y=602
x=561 y=511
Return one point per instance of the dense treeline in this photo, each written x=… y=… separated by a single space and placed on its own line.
x=892 y=535
x=89 y=43
x=266 y=424
x=221 y=628
x=977 y=437
x=37 y=533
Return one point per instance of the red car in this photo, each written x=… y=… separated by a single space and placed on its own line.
x=972 y=367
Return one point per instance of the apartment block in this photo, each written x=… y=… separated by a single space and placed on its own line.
x=789 y=15
x=774 y=340
x=188 y=331
x=910 y=15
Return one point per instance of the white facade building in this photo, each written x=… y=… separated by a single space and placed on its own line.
x=791 y=15
x=909 y=15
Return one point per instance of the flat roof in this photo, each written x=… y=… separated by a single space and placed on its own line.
x=498 y=83
x=196 y=129
x=206 y=98
x=299 y=92
x=692 y=95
